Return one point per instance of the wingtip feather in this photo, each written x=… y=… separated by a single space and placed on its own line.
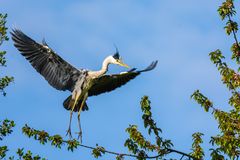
x=150 y=67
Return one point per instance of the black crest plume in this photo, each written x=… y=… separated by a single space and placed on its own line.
x=116 y=55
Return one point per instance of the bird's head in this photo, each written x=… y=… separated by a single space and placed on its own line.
x=116 y=59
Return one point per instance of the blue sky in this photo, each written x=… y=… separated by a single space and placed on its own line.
x=179 y=34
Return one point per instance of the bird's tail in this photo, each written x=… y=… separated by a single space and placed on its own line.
x=68 y=103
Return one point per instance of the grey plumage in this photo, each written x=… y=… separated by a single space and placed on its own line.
x=59 y=73
x=107 y=83
x=63 y=76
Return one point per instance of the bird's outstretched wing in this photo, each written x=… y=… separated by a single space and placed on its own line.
x=59 y=74
x=108 y=83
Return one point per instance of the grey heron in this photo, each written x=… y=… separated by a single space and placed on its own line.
x=63 y=76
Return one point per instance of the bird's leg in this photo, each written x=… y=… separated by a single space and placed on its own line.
x=79 y=122
x=75 y=97
x=69 y=127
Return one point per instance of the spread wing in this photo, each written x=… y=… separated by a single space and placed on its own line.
x=59 y=74
x=108 y=83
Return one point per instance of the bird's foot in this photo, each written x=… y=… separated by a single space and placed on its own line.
x=79 y=136
x=69 y=133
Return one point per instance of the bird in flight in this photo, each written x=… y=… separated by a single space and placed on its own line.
x=82 y=83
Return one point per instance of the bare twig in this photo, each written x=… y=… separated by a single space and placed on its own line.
x=182 y=157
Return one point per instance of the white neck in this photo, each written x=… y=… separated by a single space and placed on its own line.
x=103 y=70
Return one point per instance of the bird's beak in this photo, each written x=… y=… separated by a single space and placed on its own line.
x=120 y=62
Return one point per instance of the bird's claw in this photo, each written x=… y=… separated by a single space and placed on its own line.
x=69 y=133
x=79 y=136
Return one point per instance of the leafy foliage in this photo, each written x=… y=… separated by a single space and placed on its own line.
x=3 y=150
x=226 y=9
x=227 y=143
x=98 y=151
x=3 y=29
x=6 y=128
x=201 y=99
x=4 y=81
x=147 y=117
x=55 y=140
x=197 y=149
x=27 y=155
x=136 y=143
x=229 y=77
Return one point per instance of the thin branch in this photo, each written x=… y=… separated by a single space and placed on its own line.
x=56 y=140
x=116 y=153
x=136 y=156
x=182 y=153
x=182 y=157
x=1 y=41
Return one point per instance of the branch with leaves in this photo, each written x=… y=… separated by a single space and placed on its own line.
x=6 y=80
x=227 y=142
x=227 y=10
x=137 y=144
x=6 y=128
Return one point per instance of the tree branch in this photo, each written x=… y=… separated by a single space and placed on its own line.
x=122 y=154
x=234 y=32
x=57 y=141
x=181 y=153
x=136 y=156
